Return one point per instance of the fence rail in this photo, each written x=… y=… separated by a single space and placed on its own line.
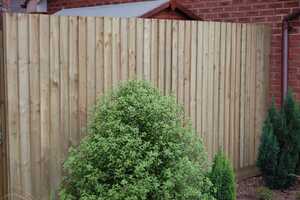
x=55 y=67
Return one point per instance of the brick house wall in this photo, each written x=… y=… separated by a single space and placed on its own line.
x=269 y=12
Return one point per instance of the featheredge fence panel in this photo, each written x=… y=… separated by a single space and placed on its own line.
x=56 y=67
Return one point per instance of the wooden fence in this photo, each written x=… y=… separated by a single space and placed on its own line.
x=55 y=67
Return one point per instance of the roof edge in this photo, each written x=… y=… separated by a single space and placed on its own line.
x=174 y=6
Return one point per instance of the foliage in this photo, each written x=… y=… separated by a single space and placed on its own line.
x=268 y=154
x=280 y=145
x=264 y=193
x=137 y=149
x=223 y=178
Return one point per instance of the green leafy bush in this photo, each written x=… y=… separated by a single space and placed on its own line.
x=280 y=145
x=137 y=149
x=223 y=178
x=264 y=193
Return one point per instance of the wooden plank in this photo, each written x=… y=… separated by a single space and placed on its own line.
x=174 y=56
x=180 y=62
x=199 y=79
x=161 y=54
x=3 y=145
x=253 y=95
x=124 y=49
x=116 y=59
x=243 y=97
x=73 y=76
x=35 y=136
x=64 y=85
x=248 y=96
x=147 y=50
x=55 y=162
x=45 y=104
x=107 y=54
x=227 y=89
x=131 y=48
x=193 y=74
x=82 y=74
x=24 y=102
x=91 y=63
x=259 y=107
x=222 y=86
x=13 y=133
x=154 y=52
x=232 y=94
x=216 y=86
x=139 y=47
x=210 y=87
x=99 y=56
x=168 y=58
x=187 y=68
x=205 y=82
x=237 y=95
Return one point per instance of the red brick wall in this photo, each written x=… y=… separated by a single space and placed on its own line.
x=269 y=12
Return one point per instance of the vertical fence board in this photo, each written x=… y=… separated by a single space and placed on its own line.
x=227 y=89
x=23 y=76
x=131 y=47
x=237 y=96
x=180 y=77
x=174 y=56
x=205 y=81
x=99 y=56
x=12 y=101
x=45 y=102
x=73 y=77
x=107 y=54
x=193 y=75
x=147 y=50
x=210 y=88
x=216 y=79
x=243 y=97
x=139 y=47
x=124 y=49
x=187 y=68
x=34 y=74
x=168 y=61
x=232 y=93
x=64 y=85
x=199 y=77
x=55 y=162
x=91 y=62
x=161 y=54
x=222 y=85
x=154 y=52
x=115 y=51
x=82 y=73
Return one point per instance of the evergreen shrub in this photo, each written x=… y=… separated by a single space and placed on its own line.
x=137 y=148
x=280 y=145
x=223 y=178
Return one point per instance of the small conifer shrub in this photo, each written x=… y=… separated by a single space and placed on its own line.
x=223 y=178
x=137 y=149
x=268 y=155
x=280 y=145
